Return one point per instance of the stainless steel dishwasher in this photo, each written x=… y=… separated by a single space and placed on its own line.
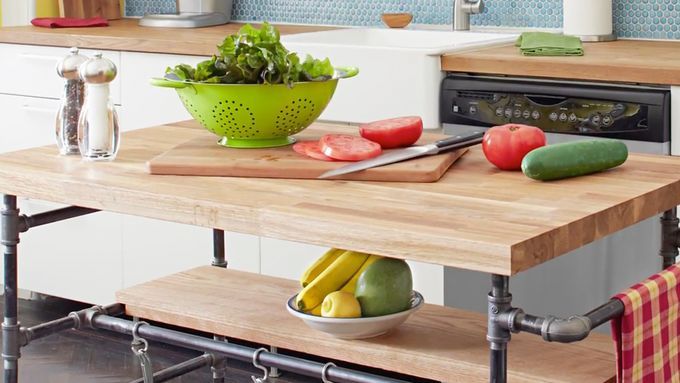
x=637 y=114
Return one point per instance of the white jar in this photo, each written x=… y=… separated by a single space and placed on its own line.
x=589 y=19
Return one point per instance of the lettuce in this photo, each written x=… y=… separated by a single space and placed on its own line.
x=255 y=56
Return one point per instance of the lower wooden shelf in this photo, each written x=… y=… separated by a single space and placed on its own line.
x=438 y=343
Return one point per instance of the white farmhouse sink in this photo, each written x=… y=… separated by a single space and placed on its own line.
x=400 y=70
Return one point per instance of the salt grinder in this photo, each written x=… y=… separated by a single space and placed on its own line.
x=71 y=102
x=98 y=132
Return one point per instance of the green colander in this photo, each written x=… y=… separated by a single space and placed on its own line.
x=255 y=115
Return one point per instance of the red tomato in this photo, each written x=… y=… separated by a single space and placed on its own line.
x=310 y=149
x=393 y=133
x=348 y=148
x=505 y=146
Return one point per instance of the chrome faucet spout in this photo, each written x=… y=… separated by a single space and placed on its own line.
x=462 y=9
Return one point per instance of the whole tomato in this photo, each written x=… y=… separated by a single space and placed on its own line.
x=505 y=146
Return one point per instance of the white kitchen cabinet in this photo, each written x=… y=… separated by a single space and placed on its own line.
x=146 y=105
x=30 y=70
x=26 y=122
x=675 y=120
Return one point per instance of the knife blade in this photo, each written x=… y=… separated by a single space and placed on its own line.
x=441 y=146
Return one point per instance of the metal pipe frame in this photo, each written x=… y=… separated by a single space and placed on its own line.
x=73 y=321
x=9 y=238
x=180 y=369
x=219 y=364
x=234 y=351
x=503 y=319
x=26 y=222
x=670 y=237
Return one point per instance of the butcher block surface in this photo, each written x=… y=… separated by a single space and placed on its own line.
x=202 y=156
x=475 y=217
x=646 y=62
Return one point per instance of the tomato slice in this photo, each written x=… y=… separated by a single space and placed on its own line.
x=310 y=149
x=393 y=133
x=348 y=148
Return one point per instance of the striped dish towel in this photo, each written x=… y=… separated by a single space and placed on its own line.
x=646 y=335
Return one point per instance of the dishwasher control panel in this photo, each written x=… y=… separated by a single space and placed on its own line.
x=614 y=111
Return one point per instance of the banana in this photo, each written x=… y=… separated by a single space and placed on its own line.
x=319 y=266
x=351 y=285
x=315 y=311
x=331 y=279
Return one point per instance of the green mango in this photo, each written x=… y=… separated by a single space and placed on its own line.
x=384 y=287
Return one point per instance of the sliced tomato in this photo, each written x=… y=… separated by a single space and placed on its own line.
x=393 y=133
x=348 y=148
x=310 y=149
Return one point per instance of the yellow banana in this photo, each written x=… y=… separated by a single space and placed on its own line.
x=319 y=266
x=315 y=311
x=351 y=285
x=332 y=279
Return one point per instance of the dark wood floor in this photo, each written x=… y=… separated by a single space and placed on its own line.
x=86 y=356
x=89 y=356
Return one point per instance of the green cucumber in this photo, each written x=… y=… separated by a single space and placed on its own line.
x=573 y=159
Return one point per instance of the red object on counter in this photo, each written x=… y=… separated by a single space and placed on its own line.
x=505 y=146
x=68 y=22
x=393 y=133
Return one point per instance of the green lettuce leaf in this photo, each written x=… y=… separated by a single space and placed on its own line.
x=255 y=56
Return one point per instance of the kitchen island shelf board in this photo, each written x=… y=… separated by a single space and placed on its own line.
x=630 y=61
x=436 y=342
x=475 y=217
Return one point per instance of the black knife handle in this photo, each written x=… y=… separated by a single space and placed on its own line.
x=457 y=142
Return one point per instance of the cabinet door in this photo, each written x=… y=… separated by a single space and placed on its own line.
x=49 y=254
x=30 y=70
x=152 y=249
x=77 y=259
x=27 y=122
x=146 y=105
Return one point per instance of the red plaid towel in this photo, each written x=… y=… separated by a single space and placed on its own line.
x=646 y=336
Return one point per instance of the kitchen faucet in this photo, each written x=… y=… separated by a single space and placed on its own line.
x=462 y=9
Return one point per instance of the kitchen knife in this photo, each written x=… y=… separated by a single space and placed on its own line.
x=444 y=145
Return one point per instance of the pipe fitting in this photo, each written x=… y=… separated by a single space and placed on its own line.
x=573 y=329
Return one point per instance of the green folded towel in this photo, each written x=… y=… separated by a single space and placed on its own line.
x=549 y=44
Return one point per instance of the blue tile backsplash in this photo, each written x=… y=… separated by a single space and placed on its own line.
x=659 y=19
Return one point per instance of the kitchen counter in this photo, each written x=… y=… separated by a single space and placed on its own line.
x=649 y=62
x=127 y=35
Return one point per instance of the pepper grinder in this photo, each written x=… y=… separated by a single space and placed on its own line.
x=71 y=102
x=98 y=132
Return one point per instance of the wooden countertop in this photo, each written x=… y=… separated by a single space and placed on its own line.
x=475 y=217
x=126 y=35
x=647 y=62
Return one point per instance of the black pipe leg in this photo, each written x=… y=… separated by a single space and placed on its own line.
x=219 y=252
x=499 y=302
x=219 y=366
x=669 y=237
x=10 y=324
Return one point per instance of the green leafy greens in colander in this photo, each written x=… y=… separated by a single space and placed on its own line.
x=255 y=56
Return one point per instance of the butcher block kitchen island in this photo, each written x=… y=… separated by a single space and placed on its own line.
x=476 y=217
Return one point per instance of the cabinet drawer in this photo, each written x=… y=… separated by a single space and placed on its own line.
x=27 y=122
x=30 y=70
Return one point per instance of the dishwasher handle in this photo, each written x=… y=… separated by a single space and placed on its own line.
x=545 y=100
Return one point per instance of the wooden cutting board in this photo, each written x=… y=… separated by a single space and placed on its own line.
x=109 y=9
x=202 y=156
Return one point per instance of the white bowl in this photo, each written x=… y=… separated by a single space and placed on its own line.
x=356 y=328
